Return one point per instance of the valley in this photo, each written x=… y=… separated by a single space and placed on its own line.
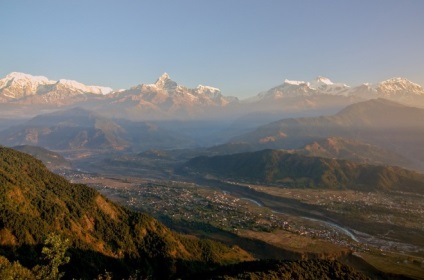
x=384 y=229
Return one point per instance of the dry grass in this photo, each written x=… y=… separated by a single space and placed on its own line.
x=107 y=208
x=297 y=243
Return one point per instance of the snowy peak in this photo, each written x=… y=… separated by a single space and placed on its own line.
x=166 y=97
x=324 y=85
x=164 y=82
x=162 y=79
x=323 y=80
x=399 y=85
x=17 y=76
x=16 y=86
x=16 y=79
x=208 y=91
x=315 y=84
x=295 y=88
x=395 y=89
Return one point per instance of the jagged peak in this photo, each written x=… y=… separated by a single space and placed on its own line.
x=165 y=82
x=163 y=78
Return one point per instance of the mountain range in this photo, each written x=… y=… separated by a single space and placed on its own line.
x=386 y=124
x=166 y=99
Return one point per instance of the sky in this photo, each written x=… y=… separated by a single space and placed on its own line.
x=242 y=47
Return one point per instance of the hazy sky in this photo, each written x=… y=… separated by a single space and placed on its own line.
x=243 y=47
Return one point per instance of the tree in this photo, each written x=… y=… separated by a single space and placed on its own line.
x=53 y=255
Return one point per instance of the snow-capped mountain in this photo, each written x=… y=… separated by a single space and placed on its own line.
x=399 y=89
x=26 y=88
x=17 y=85
x=323 y=92
x=167 y=97
x=167 y=90
x=399 y=86
x=392 y=88
x=292 y=88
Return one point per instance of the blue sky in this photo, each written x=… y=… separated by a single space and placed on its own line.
x=243 y=47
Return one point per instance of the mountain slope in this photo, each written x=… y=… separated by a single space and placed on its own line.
x=103 y=235
x=52 y=160
x=335 y=147
x=80 y=129
x=280 y=167
x=379 y=122
x=67 y=130
x=274 y=269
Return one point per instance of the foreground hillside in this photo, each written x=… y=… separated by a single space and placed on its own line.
x=103 y=236
x=273 y=269
x=280 y=167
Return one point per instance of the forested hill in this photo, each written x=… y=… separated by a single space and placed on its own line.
x=103 y=236
x=294 y=170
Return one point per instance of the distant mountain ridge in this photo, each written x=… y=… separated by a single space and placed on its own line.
x=166 y=99
x=395 y=87
x=52 y=160
x=80 y=129
x=294 y=170
x=383 y=123
x=347 y=149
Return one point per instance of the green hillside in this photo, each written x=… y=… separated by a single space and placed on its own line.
x=294 y=170
x=103 y=236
